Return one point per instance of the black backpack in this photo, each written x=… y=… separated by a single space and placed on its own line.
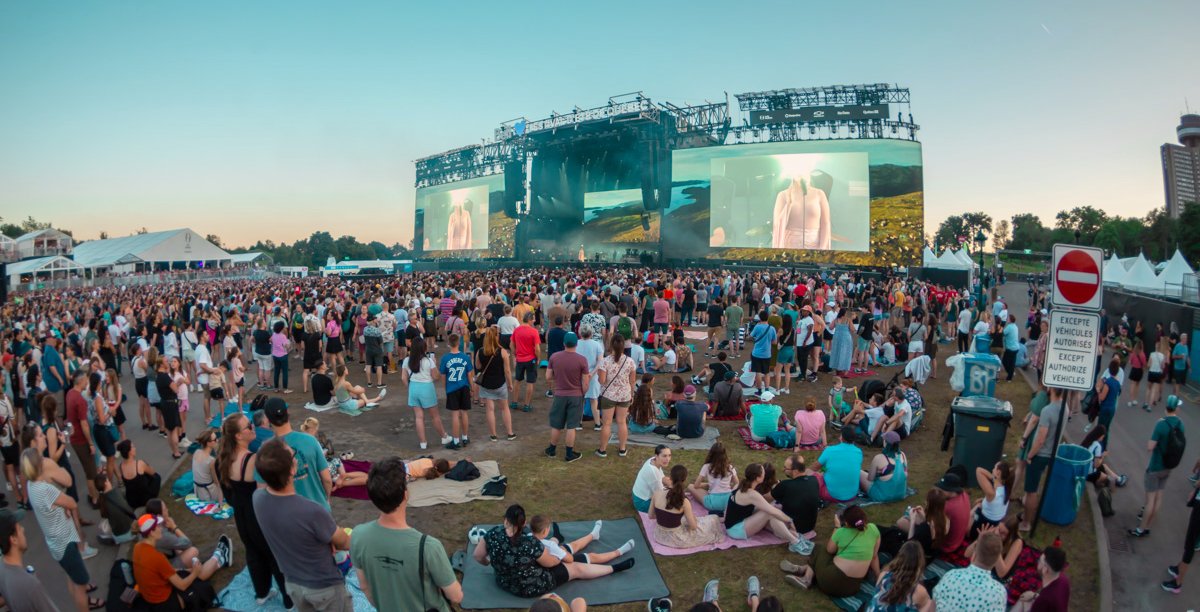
x=1173 y=446
x=463 y=471
x=121 y=594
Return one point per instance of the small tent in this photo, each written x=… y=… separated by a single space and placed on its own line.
x=950 y=262
x=1113 y=271
x=928 y=257
x=1172 y=276
x=962 y=256
x=1141 y=277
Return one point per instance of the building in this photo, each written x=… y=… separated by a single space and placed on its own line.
x=253 y=259
x=179 y=249
x=40 y=272
x=1181 y=166
x=43 y=243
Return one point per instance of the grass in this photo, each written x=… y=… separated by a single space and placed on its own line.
x=595 y=488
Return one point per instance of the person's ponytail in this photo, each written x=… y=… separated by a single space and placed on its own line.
x=515 y=517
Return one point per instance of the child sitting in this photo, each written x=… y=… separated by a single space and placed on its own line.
x=337 y=471
x=571 y=552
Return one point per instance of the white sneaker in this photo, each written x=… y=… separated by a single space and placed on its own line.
x=89 y=552
x=260 y=601
x=447 y=440
x=424 y=446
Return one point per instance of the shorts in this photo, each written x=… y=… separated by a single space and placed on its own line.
x=72 y=564
x=877 y=316
x=140 y=385
x=459 y=399
x=333 y=345
x=349 y=404
x=106 y=437
x=265 y=362
x=863 y=344
x=1033 y=473
x=787 y=354
x=312 y=364
x=375 y=360
x=660 y=328
x=11 y=454
x=737 y=532
x=716 y=502
x=170 y=414
x=1154 y=377
x=1156 y=481
x=506 y=341
x=389 y=347
x=422 y=395
x=641 y=505
x=526 y=371
x=560 y=574
x=430 y=328
x=1180 y=376
x=494 y=394
x=760 y=365
x=566 y=412
x=216 y=393
x=1135 y=374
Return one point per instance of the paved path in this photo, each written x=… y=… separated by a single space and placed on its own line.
x=1139 y=565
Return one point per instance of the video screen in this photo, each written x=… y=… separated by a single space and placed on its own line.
x=465 y=216
x=618 y=217
x=793 y=201
x=853 y=202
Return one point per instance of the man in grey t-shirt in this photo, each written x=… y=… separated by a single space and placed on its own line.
x=20 y=589
x=1041 y=449
x=300 y=533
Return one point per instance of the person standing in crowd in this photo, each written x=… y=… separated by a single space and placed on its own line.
x=1011 y=337
x=764 y=338
x=456 y=367
x=304 y=543
x=733 y=325
x=526 y=345
x=263 y=355
x=52 y=508
x=419 y=372
x=204 y=371
x=571 y=376
x=1040 y=451
x=1166 y=449
x=389 y=555
x=618 y=377
x=311 y=479
x=495 y=370
x=1180 y=362
x=19 y=587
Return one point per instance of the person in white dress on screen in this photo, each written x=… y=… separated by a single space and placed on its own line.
x=801 y=219
x=458 y=228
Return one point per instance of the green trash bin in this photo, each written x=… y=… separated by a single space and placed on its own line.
x=1065 y=488
x=980 y=426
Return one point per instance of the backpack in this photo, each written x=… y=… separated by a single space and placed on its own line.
x=625 y=328
x=462 y=471
x=121 y=592
x=1173 y=446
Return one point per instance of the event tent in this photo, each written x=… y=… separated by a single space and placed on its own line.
x=171 y=249
x=1172 y=276
x=964 y=257
x=928 y=257
x=40 y=269
x=1141 y=277
x=1113 y=271
x=950 y=262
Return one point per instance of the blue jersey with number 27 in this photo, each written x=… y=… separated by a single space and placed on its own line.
x=455 y=367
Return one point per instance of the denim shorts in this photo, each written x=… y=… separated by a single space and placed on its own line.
x=422 y=395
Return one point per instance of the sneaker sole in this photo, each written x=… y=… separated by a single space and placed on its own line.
x=573 y=459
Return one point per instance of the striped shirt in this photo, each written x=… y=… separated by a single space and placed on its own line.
x=56 y=526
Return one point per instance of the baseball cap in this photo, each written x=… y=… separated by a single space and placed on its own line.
x=570 y=339
x=275 y=409
x=766 y=396
x=729 y=375
x=374 y=309
x=689 y=390
x=147 y=522
x=891 y=437
x=1173 y=402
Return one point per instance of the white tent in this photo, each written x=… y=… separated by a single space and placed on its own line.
x=1128 y=262
x=1172 y=276
x=1113 y=271
x=927 y=258
x=1141 y=277
x=962 y=256
x=949 y=262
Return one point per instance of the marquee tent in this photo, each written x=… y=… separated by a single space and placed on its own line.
x=1113 y=271
x=1172 y=276
x=1141 y=277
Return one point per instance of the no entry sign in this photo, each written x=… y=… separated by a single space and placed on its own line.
x=1071 y=350
x=1077 y=278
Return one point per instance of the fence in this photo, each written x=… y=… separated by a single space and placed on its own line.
x=133 y=280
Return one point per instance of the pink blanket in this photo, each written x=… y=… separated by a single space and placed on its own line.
x=352 y=465
x=762 y=538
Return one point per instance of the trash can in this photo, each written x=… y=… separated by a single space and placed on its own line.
x=980 y=426
x=980 y=371
x=1065 y=488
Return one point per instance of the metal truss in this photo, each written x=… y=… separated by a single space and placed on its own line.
x=834 y=95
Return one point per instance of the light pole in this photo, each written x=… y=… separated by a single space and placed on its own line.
x=981 y=240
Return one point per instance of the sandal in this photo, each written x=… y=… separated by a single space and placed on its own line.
x=92 y=588
x=177 y=455
x=95 y=603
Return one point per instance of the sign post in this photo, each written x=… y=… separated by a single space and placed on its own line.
x=1074 y=340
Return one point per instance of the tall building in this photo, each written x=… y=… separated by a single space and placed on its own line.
x=1181 y=166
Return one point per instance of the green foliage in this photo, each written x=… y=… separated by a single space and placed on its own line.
x=14 y=230
x=1188 y=231
x=1000 y=238
x=1086 y=219
x=1120 y=235
x=965 y=226
x=1028 y=232
x=320 y=246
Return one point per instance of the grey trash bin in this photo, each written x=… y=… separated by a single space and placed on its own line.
x=980 y=426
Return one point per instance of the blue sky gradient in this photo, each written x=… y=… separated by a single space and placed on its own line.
x=273 y=119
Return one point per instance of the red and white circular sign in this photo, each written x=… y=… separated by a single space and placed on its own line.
x=1077 y=278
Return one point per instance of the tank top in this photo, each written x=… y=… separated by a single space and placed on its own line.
x=341 y=394
x=997 y=508
x=137 y=489
x=667 y=519
x=491 y=368
x=736 y=513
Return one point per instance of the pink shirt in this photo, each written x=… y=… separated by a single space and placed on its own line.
x=280 y=345
x=662 y=311
x=810 y=422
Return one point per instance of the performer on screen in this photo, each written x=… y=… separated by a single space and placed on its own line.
x=801 y=218
x=458 y=228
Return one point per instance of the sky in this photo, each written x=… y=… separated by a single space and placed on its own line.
x=272 y=120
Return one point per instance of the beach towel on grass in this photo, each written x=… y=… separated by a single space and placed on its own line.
x=423 y=493
x=239 y=596
x=651 y=439
x=744 y=432
x=320 y=408
x=199 y=507
x=639 y=584
x=762 y=538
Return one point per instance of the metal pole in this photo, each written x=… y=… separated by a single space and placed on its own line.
x=1062 y=403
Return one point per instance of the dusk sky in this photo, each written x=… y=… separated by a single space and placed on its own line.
x=269 y=119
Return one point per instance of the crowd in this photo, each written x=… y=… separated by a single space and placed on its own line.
x=599 y=337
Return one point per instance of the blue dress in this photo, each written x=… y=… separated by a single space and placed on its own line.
x=842 y=352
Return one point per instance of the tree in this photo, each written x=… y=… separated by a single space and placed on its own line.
x=1161 y=233
x=1121 y=236
x=103 y=235
x=213 y=238
x=1000 y=237
x=963 y=226
x=1028 y=232
x=1086 y=219
x=1188 y=230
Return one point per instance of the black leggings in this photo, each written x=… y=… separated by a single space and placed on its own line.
x=963 y=342
x=1193 y=535
x=260 y=561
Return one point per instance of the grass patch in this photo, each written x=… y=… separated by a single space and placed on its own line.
x=595 y=488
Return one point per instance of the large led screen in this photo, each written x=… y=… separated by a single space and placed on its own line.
x=465 y=216
x=854 y=202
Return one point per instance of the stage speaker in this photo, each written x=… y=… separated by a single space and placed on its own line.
x=419 y=232
x=514 y=187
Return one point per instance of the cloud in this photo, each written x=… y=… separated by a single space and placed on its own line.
x=1046 y=29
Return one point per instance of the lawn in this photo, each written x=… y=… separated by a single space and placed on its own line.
x=595 y=488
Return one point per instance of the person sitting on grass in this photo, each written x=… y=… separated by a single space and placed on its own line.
x=427 y=468
x=548 y=534
x=973 y=587
x=552 y=602
x=1055 y=593
x=337 y=471
x=650 y=478
x=717 y=480
x=178 y=549
x=352 y=398
x=1101 y=475
x=899 y=586
x=116 y=510
x=748 y=513
x=766 y=418
x=839 y=568
x=840 y=466
x=713 y=373
x=992 y=508
x=526 y=568
x=727 y=395
x=159 y=583
x=675 y=522
x=886 y=479
x=754 y=600
x=865 y=417
x=810 y=427
x=692 y=415
x=641 y=410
